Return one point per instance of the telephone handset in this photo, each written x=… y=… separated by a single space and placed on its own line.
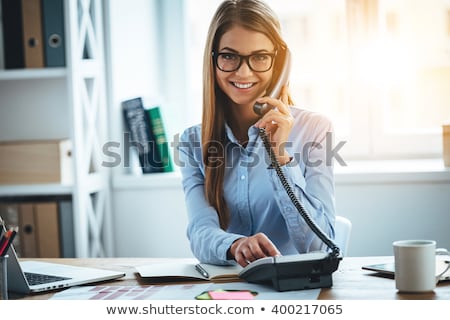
x=300 y=271
x=261 y=109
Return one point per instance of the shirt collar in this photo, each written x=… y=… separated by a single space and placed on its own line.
x=252 y=134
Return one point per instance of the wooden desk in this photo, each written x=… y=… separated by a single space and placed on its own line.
x=350 y=282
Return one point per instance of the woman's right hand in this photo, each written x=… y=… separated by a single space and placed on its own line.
x=248 y=249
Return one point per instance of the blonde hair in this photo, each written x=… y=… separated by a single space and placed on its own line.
x=254 y=15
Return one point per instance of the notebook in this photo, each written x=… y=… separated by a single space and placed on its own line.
x=189 y=271
x=388 y=269
x=36 y=276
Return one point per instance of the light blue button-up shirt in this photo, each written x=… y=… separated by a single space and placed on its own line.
x=254 y=194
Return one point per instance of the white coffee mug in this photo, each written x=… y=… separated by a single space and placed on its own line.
x=415 y=265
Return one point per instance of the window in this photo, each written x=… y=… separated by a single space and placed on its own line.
x=379 y=68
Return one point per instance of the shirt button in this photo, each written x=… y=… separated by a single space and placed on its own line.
x=242 y=177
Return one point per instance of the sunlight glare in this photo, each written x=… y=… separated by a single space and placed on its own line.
x=385 y=63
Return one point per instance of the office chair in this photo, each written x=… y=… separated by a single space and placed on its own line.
x=342 y=231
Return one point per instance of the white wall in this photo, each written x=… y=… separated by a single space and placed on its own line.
x=384 y=212
x=132 y=61
x=31 y=109
x=151 y=218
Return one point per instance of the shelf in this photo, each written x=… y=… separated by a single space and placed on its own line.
x=357 y=172
x=21 y=74
x=35 y=190
x=393 y=171
x=147 y=181
x=93 y=184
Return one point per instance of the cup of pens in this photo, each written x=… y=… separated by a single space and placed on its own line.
x=6 y=239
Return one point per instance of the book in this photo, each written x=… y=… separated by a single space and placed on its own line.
x=53 y=33
x=181 y=272
x=160 y=136
x=14 y=54
x=33 y=43
x=138 y=124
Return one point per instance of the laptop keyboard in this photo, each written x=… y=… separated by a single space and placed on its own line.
x=36 y=278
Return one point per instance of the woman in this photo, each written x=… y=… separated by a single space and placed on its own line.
x=237 y=207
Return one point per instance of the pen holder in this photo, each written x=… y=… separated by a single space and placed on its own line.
x=3 y=278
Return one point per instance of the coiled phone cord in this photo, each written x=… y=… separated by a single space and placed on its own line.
x=305 y=215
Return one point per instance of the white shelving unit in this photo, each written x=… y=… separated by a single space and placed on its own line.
x=32 y=74
x=68 y=102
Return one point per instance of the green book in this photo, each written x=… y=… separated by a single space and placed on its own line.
x=159 y=133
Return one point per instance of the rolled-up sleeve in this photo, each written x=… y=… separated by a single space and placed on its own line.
x=209 y=243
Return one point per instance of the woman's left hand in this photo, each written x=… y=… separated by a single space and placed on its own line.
x=278 y=123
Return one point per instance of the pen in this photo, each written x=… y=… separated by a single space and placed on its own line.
x=9 y=244
x=2 y=223
x=6 y=241
x=202 y=271
x=4 y=238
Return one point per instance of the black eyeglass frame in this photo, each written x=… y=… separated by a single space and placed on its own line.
x=216 y=55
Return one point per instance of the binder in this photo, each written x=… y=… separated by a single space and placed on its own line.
x=47 y=226
x=13 y=34
x=66 y=229
x=53 y=33
x=2 y=56
x=27 y=231
x=32 y=34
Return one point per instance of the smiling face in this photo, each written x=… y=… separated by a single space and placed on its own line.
x=244 y=86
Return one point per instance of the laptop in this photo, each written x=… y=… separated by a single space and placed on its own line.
x=36 y=276
x=388 y=269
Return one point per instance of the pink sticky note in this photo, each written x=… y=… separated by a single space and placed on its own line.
x=231 y=295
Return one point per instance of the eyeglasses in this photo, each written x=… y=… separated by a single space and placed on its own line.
x=258 y=62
